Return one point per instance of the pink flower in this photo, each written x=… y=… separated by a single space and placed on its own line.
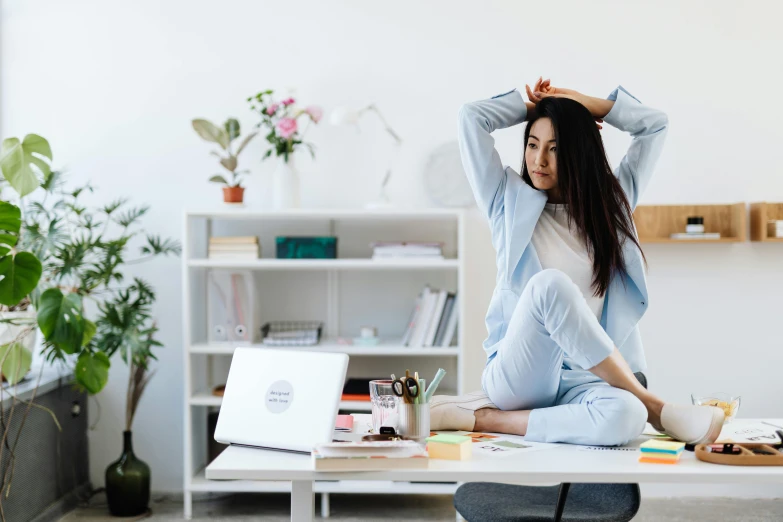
x=315 y=112
x=286 y=127
x=288 y=101
x=272 y=109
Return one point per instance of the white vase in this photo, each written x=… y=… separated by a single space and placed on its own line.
x=285 y=185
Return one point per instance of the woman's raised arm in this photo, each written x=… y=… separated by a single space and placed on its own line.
x=481 y=161
x=622 y=110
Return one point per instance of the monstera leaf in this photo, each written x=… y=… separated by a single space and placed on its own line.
x=19 y=161
x=20 y=272
x=92 y=371
x=16 y=361
x=60 y=320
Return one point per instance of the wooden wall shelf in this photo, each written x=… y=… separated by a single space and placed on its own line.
x=760 y=213
x=655 y=223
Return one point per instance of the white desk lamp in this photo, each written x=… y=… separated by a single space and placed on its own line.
x=345 y=116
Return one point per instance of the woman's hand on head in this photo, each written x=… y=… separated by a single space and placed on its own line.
x=544 y=89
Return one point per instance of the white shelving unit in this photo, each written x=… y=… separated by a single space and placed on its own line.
x=344 y=293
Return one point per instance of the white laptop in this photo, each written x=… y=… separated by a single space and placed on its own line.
x=281 y=399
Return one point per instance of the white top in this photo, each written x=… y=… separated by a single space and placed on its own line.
x=563 y=249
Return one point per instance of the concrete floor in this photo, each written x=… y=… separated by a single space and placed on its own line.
x=414 y=508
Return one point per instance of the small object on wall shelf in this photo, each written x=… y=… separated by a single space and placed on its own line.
x=292 y=247
x=292 y=333
x=667 y=223
x=766 y=222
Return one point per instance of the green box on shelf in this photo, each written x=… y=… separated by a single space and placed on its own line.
x=297 y=247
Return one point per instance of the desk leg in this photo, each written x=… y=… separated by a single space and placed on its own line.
x=325 y=505
x=302 y=501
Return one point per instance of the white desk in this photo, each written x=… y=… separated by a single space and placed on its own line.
x=563 y=464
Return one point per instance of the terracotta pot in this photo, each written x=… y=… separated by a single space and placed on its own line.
x=233 y=194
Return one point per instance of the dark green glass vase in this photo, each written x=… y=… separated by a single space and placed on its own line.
x=128 y=482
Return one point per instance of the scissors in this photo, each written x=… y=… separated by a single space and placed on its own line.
x=406 y=388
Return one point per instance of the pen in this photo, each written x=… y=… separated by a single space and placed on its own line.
x=422 y=386
x=434 y=384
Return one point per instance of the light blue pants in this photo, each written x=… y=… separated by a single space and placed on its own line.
x=550 y=322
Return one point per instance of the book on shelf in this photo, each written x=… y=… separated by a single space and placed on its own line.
x=236 y=247
x=451 y=326
x=233 y=240
x=437 y=312
x=416 y=250
x=444 y=319
x=363 y=456
x=355 y=397
x=433 y=319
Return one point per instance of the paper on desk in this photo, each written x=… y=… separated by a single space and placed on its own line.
x=506 y=445
x=747 y=431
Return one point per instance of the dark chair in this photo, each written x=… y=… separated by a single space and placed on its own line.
x=490 y=502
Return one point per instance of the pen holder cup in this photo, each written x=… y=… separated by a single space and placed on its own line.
x=413 y=420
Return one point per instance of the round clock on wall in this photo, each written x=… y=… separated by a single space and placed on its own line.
x=444 y=177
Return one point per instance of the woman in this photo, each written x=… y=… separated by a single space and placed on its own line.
x=563 y=341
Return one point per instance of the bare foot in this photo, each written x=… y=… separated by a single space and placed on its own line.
x=499 y=421
x=481 y=419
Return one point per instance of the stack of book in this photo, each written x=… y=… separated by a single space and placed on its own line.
x=237 y=247
x=363 y=456
x=433 y=321
x=407 y=250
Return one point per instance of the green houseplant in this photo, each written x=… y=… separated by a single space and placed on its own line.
x=85 y=252
x=233 y=192
x=57 y=255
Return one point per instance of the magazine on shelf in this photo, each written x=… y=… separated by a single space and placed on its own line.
x=433 y=319
x=436 y=314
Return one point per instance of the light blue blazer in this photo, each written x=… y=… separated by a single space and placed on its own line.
x=513 y=208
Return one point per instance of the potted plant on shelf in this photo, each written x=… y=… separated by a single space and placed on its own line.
x=233 y=192
x=280 y=121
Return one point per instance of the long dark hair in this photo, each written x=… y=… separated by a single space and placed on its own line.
x=596 y=202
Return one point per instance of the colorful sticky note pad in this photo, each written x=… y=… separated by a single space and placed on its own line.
x=662 y=446
x=448 y=439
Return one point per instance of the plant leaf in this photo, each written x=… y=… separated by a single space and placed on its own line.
x=17 y=159
x=211 y=132
x=217 y=178
x=89 y=331
x=245 y=142
x=60 y=319
x=157 y=245
x=230 y=163
x=21 y=274
x=17 y=361
x=92 y=371
x=35 y=144
x=231 y=126
x=10 y=223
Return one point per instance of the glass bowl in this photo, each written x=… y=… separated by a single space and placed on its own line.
x=728 y=403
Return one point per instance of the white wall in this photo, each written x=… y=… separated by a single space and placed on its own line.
x=113 y=86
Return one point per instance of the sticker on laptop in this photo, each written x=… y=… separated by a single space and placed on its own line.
x=279 y=396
